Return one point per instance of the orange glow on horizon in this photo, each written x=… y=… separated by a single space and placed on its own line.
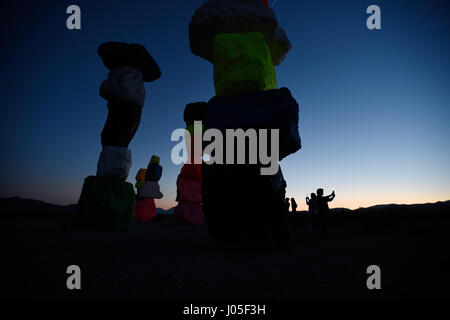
x=343 y=202
x=355 y=203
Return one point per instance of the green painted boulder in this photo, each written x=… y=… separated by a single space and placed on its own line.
x=242 y=63
x=106 y=203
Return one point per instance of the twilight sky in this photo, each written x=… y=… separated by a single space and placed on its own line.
x=374 y=105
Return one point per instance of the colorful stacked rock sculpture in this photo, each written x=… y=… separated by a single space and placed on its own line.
x=189 y=181
x=148 y=190
x=107 y=201
x=244 y=42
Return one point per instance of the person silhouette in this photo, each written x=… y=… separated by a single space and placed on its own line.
x=313 y=210
x=287 y=205
x=293 y=205
x=324 y=210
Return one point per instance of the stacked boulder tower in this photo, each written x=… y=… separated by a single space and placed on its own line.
x=244 y=42
x=148 y=190
x=107 y=201
x=189 y=181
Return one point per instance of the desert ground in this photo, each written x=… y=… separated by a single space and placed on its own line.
x=163 y=261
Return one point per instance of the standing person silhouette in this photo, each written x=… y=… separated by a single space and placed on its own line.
x=314 y=211
x=287 y=205
x=324 y=210
x=294 y=205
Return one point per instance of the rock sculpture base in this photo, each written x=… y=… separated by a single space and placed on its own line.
x=243 y=208
x=106 y=203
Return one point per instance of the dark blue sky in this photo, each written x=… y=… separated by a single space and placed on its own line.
x=374 y=105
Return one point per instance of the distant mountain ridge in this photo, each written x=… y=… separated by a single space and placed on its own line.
x=17 y=205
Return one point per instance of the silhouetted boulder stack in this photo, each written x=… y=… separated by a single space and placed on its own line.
x=130 y=66
x=255 y=213
x=244 y=42
x=147 y=190
x=189 y=182
x=271 y=109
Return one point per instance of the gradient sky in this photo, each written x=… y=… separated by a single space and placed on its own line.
x=374 y=105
